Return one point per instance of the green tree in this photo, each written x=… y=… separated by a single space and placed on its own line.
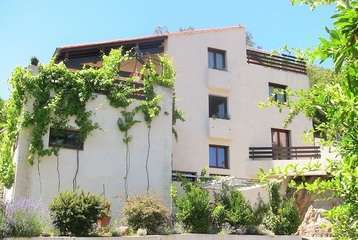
x=336 y=102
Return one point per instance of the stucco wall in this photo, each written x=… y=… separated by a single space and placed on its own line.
x=102 y=161
x=244 y=84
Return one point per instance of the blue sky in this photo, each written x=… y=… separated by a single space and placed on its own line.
x=36 y=28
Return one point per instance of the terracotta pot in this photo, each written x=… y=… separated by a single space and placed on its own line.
x=104 y=221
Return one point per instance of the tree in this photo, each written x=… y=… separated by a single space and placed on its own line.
x=185 y=29
x=250 y=39
x=2 y=113
x=334 y=98
x=160 y=30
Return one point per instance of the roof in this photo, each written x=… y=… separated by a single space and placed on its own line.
x=126 y=41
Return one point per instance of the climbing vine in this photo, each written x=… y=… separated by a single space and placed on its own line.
x=125 y=123
x=56 y=94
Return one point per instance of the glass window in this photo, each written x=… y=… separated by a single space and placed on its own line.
x=280 y=143
x=277 y=92
x=65 y=138
x=218 y=107
x=211 y=56
x=220 y=61
x=216 y=59
x=218 y=156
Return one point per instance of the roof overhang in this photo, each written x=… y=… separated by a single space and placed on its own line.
x=93 y=48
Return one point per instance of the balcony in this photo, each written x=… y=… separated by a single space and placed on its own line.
x=220 y=128
x=281 y=62
x=285 y=153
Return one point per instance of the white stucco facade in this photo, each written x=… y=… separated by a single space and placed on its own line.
x=245 y=86
x=102 y=160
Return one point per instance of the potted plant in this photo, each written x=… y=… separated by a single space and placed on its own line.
x=105 y=216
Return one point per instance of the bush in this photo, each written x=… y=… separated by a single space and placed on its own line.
x=146 y=212
x=286 y=221
x=22 y=219
x=193 y=209
x=75 y=213
x=4 y=227
x=233 y=209
x=283 y=216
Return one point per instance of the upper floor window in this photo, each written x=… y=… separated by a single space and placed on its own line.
x=218 y=107
x=278 y=92
x=216 y=59
x=218 y=156
x=65 y=138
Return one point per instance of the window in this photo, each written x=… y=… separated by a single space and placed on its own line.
x=218 y=156
x=278 y=92
x=65 y=138
x=216 y=59
x=280 y=142
x=218 y=107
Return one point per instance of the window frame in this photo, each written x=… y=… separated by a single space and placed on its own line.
x=226 y=117
x=226 y=152
x=216 y=51
x=67 y=146
x=280 y=87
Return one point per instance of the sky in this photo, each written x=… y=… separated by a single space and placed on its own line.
x=37 y=27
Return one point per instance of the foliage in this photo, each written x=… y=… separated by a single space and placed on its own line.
x=193 y=209
x=320 y=76
x=4 y=227
x=56 y=93
x=282 y=217
x=336 y=104
x=233 y=209
x=23 y=219
x=146 y=212
x=346 y=215
x=75 y=213
x=34 y=61
x=250 y=39
x=2 y=113
x=105 y=208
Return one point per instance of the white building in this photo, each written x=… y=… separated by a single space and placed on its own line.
x=219 y=84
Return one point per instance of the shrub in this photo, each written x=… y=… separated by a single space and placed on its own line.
x=75 y=213
x=283 y=216
x=4 y=227
x=146 y=212
x=286 y=221
x=3 y=224
x=23 y=219
x=193 y=209
x=233 y=209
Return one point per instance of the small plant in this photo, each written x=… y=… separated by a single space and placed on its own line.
x=75 y=213
x=146 y=212
x=193 y=209
x=233 y=209
x=23 y=219
x=282 y=218
x=105 y=215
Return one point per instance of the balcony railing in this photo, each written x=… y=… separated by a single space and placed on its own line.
x=287 y=153
x=281 y=62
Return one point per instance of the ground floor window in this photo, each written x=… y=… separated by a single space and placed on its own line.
x=218 y=156
x=65 y=138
